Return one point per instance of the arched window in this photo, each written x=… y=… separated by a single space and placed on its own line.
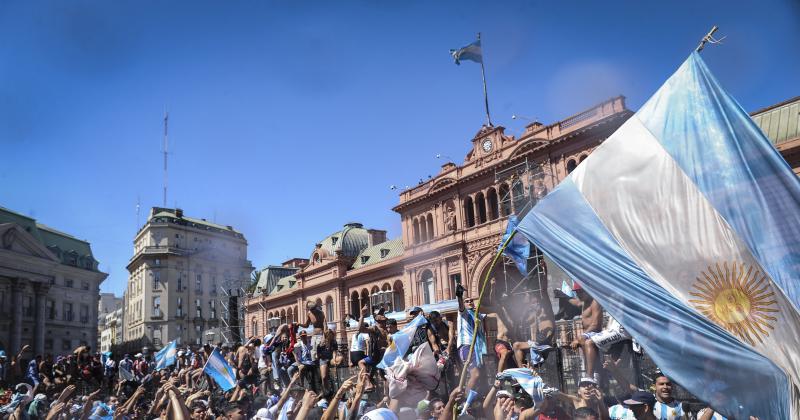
x=505 y=200
x=386 y=297
x=469 y=211
x=290 y=316
x=283 y=316
x=254 y=328
x=416 y=239
x=571 y=165
x=583 y=158
x=398 y=298
x=329 y=309
x=316 y=257
x=364 y=300
x=355 y=306
x=481 y=208
x=430 y=227
x=427 y=288
x=374 y=298
x=491 y=203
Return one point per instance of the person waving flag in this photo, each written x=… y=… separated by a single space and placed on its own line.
x=220 y=371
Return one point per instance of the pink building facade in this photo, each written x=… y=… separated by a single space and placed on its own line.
x=451 y=227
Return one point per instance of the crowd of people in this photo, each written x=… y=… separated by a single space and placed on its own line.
x=423 y=371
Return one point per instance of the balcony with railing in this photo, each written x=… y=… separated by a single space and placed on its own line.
x=157 y=314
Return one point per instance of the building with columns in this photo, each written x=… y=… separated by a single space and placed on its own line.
x=184 y=275
x=49 y=287
x=453 y=223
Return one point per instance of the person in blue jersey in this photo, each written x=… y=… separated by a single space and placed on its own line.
x=466 y=329
x=666 y=406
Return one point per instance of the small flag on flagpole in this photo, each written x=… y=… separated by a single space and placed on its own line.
x=471 y=52
x=220 y=371
x=167 y=356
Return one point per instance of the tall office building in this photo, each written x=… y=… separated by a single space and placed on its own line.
x=186 y=278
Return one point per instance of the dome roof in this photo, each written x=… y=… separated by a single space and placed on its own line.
x=350 y=241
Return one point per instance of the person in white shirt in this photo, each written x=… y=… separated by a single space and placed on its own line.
x=358 y=347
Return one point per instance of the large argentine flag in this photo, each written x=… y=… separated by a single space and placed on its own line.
x=166 y=356
x=220 y=371
x=685 y=226
x=401 y=341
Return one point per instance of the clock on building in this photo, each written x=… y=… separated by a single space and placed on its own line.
x=487 y=145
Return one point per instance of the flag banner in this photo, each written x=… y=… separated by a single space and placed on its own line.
x=166 y=356
x=530 y=382
x=519 y=249
x=125 y=374
x=685 y=226
x=401 y=341
x=471 y=52
x=220 y=371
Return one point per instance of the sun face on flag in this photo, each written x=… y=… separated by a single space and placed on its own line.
x=737 y=299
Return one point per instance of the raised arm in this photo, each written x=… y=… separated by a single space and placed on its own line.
x=333 y=405
x=456 y=396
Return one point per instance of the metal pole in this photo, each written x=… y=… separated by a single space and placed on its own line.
x=706 y=38
x=485 y=92
x=166 y=146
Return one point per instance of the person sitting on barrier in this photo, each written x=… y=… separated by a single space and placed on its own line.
x=315 y=317
x=377 y=344
x=538 y=348
x=592 y=322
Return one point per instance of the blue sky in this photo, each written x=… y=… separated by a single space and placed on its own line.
x=289 y=119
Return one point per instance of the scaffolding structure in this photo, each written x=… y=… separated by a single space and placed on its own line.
x=232 y=300
x=526 y=184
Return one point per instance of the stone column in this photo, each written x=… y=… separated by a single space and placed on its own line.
x=17 y=289
x=40 y=289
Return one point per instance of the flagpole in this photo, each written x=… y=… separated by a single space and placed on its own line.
x=707 y=38
x=478 y=308
x=485 y=92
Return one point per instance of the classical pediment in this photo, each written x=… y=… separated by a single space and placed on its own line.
x=441 y=184
x=15 y=239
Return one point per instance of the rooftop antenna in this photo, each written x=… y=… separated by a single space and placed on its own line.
x=166 y=152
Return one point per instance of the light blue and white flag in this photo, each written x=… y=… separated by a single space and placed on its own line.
x=519 y=249
x=166 y=356
x=401 y=341
x=471 y=52
x=220 y=371
x=685 y=226
x=530 y=382
x=124 y=372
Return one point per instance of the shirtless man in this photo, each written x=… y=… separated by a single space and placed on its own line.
x=315 y=317
x=543 y=339
x=592 y=320
x=502 y=344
